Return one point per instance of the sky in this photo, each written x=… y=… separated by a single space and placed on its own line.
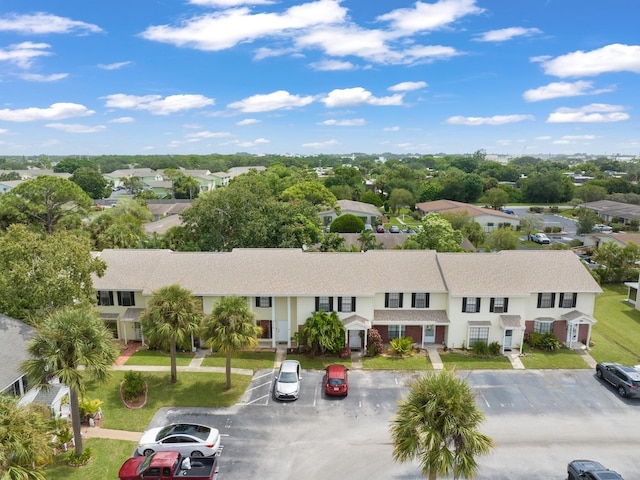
x=516 y=77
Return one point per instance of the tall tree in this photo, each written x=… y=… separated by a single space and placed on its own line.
x=92 y=182
x=24 y=440
x=40 y=272
x=313 y=192
x=171 y=318
x=503 y=239
x=231 y=327
x=437 y=425
x=72 y=344
x=436 y=234
x=531 y=223
x=399 y=198
x=323 y=332
x=495 y=198
x=44 y=201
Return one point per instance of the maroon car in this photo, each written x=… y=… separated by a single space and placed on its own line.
x=336 y=381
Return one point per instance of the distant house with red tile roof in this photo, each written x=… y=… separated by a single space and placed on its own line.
x=488 y=218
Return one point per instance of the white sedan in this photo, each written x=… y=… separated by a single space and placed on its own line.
x=191 y=440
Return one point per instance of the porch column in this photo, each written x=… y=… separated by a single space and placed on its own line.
x=289 y=322
x=274 y=325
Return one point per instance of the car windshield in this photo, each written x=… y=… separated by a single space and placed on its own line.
x=288 y=377
x=336 y=381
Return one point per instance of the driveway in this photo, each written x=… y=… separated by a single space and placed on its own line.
x=539 y=419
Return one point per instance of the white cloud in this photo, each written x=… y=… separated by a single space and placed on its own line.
x=113 y=66
x=23 y=54
x=354 y=122
x=227 y=28
x=122 y=120
x=250 y=143
x=271 y=101
x=544 y=137
x=247 y=121
x=229 y=3
x=407 y=86
x=332 y=65
x=321 y=145
x=204 y=134
x=429 y=16
x=572 y=139
x=346 y=97
x=562 y=89
x=76 y=128
x=504 y=34
x=44 y=23
x=3 y=131
x=611 y=58
x=495 y=120
x=35 y=77
x=157 y=105
x=392 y=129
x=57 y=111
x=593 y=113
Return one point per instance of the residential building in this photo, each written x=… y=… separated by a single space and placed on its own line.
x=452 y=299
x=488 y=218
x=14 y=337
x=611 y=211
x=368 y=213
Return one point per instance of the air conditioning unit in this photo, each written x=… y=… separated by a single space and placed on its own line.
x=498 y=309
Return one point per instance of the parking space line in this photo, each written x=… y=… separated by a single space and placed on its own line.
x=265 y=375
x=259 y=398
x=258 y=386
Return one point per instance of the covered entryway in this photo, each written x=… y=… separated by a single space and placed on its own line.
x=431 y=323
x=134 y=332
x=282 y=331
x=356 y=331
x=578 y=329
x=429 y=334
x=513 y=328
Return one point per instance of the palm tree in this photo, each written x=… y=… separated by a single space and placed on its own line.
x=437 y=424
x=231 y=327
x=66 y=340
x=25 y=434
x=171 y=318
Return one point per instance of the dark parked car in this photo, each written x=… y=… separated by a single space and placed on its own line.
x=394 y=229
x=590 y=470
x=625 y=379
x=336 y=380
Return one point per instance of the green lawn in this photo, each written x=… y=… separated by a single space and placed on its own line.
x=463 y=361
x=106 y=459
x=616 y=336
x=256 y=360
x=563 y=358
x=192 y=390
x=396 y=363
x=155 y=357
x=319 y=362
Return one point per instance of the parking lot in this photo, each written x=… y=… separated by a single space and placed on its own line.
x=539 y=420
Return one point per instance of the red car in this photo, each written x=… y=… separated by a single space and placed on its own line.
x=336 y=381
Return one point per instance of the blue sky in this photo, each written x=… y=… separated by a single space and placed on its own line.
x=517 y=77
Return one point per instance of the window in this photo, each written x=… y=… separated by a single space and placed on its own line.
x=396 y=331
x=263 y=302
x=266 y=328
x=546 y=300
x=471 y=304
x=499 y=305
x=346 y=304
x=393 y=300
x=324 y=304
x=568 y=300
x=419 y=300
x=126 y=299
x=105 y=298
x=478 y=334
x=543 y=326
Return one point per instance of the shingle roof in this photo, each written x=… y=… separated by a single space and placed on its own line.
x=256 y=272
x=515 y=273
x=407 y=317
x=451 y=206
x=14 y=337
x=615 y=209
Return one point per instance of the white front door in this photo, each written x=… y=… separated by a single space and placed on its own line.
x=354 y=339
x=282 y=331
x=508 y=339
x=574 y=328
x=428 y=334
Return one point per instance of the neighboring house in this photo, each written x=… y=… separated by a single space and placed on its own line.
x=25 y=175
x=204 y=177
x=609 y=210
x=620 y=239
x=7 y=185
x=162 y=188
x=221 y=179
x=367 y=212
x=146 y=175
x=235 y=171
x=488 y=218
x=452 y=299
x=164 y=208
x=14 y=337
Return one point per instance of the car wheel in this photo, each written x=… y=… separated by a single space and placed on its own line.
x=571 y=477
x=197 y=453
x=599 y=373
x=147 y=452
x=621 y=391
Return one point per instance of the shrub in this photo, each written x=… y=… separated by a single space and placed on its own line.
x=547 y=229
x=480 y=348
x=346 y=352
x=80 y=460
x=553 y=209
x=556 y=229
x=495 y=349
x=402 y=346
x=374 y=342
x=133 y=385
x=89 y=407
x=347 y=223
x=543 y=341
